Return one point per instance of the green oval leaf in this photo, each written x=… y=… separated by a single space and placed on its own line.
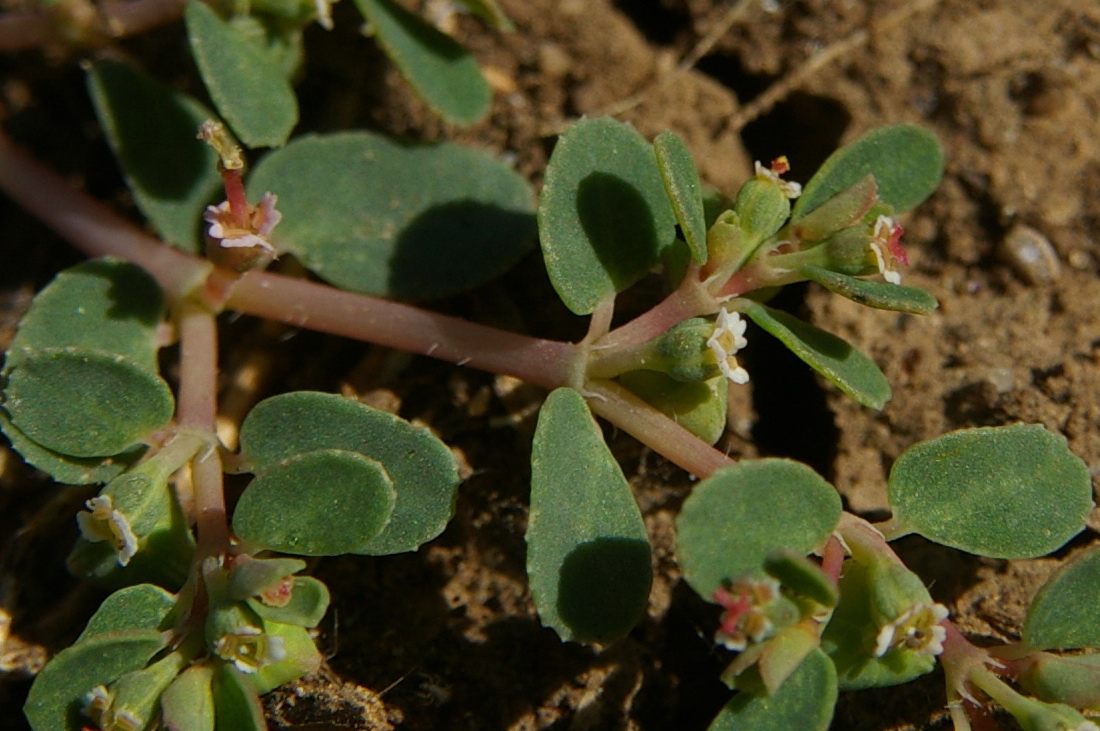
x=85 y=403
x=106 y=304
x=393 y=219
x=188 y=703
x=141 y=607
x=906 y=160
x=850 y=370
x=151 y=128
x=422 y=468
x=805 y=702
x=1065 y=614
x=62 y=468
x=1005 y=492
x=684 y=190
x=604 y=217
x=58 y=691
x=249 y=91
x=882 y=295
x=588 y=556
x=442 y=72
x=322 y=503
x=738 y=516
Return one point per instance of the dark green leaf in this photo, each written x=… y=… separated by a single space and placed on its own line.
x=249 y=91
x=443 y=73
x=141 y=607
x=57 y=694
x=739 y=515
x=804 y=702
x=1065 y=614
x=85 y=403
x=906 y=160
x=236 y=704
x=151 y=128
x=588 y=556
x=321 y=503
x=1006 y=492
x=604 y=216
x=394 y=219
x=882 y=295
x=685 y=191
x=64 y=469
x=801 y=576
x=850 y=370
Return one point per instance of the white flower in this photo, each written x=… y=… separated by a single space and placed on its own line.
x=778 y=167
x=917 y=628
x=262 y=218
x=728 y=338
x=103 y=523
x=249 y=649
x=886 y=245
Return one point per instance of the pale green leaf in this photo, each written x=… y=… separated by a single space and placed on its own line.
x=738 y=516
x=236 y=704
x=309 y=601
x=152 y=130
x=850 y=370
x=588 y=556
x=64 y=469
x=188 y=703
x=320 y=503
x=394 y=219
x=685 y=191
x=1065 y=614
x=698 y=406
x=250 y=92
x=443 y=73
x=805 y=702
x=604 y=217
x=422 y=468
x=1005 y=492
x=906 y=160
x=141 y=607
x=57 y=694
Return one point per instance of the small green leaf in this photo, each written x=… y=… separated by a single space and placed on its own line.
x=1073 y=680
x=105 y=304
x=188 y=703
x=801 y=576
x=805 y=702
x=64 y=469
x=443 y=73
x=279 y=41
x=250 y=92
x=236 y=704
x=698 y=406
x=604 y=216
x=906 y=160
x=738 y=516
x=250 y=576
x=850 y=370
x=301 y=659
x=882 y=295
x=1005 y=492
x=490 y=12
x=58 y=691
x=684 y=190
x=309 y=601
x=85 y=403
x=151 y=128
x=1065 y=614
x=141 y=607
x=588 y=557
x=850 y=637
x=395 y=219
x=422 y=468
x=321 y=503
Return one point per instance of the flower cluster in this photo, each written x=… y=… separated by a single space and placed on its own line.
x=886 y=246
x=228 y=231
x=744 y=616
x=101 y=522
x=249 y=649
x=917 y=628
x=728 y=338
x=778 y=167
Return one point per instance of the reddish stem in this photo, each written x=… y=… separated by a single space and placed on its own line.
x=239 y=208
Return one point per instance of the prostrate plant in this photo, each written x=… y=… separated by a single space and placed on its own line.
x=84 y=401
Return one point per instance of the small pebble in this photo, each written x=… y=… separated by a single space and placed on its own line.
x=1031 y=254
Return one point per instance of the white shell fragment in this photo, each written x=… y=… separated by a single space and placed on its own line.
x=1031 y=255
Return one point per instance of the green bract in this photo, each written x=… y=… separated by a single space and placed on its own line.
x=395 y=219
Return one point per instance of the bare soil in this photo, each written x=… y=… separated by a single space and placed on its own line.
x=447 y=638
